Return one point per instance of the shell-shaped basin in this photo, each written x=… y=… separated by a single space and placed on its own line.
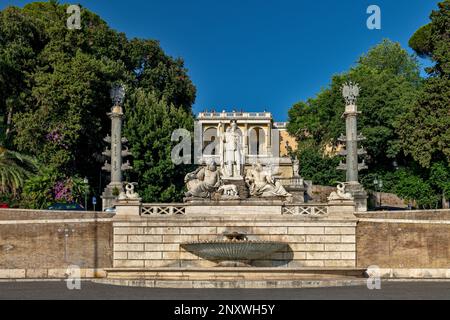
x=223 y=250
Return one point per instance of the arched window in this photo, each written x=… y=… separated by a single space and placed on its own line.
x=257 y=141
x=210 y=142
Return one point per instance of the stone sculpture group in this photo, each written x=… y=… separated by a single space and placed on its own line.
x=208 y=180
x=222 y=178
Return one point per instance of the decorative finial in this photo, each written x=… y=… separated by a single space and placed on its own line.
x=350 y=92
x=118 y=94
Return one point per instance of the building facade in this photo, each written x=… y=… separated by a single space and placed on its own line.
x=262 y=139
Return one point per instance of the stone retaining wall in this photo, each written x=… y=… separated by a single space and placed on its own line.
x=321 y=193
x=40 y=244
x=33 y=244
x=155 y=242
x=410 y=239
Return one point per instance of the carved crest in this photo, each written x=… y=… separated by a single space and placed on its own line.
x=350 y=92
x=118 y=94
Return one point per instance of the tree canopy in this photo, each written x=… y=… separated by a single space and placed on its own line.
x=425 y=129
x=389 y=80
x=406 y=119
x=55 y=82
x=160 y=179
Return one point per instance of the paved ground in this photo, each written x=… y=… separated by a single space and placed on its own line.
x=58 y=290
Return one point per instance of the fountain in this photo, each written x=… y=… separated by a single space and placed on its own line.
x=234 y=250
x=252 y=198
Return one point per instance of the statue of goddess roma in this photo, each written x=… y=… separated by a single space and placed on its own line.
x=230 y=152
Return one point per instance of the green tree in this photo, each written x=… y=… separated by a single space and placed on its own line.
x=421 y=41
x=440 y=178
x=54 y=84
x=389 y=79
x=20 y=40
x=149 y=126
x=425 y=129
x=49 y=187
x=412 y=187
x=15 y=168
x=319 y=167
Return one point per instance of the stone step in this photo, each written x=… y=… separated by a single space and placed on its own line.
x=242 y=278
x=234 y=284
x=235 y=274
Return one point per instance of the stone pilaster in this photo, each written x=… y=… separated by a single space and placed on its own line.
x=342 y=209
x=128 y=208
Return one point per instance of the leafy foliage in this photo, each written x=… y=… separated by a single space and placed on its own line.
x=15 y=168
x=412 y=187
x=440 y=177
x=149 y=128
x=420 y=41
x=425 y=129
x=319 y=167
x=49 y=187
x=54 y=85
x=389 y=80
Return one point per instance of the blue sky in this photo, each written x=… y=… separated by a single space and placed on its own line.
x=260 y=54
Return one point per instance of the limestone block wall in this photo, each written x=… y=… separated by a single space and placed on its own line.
x=41 y=244
x=154 y=242
x=410 y=239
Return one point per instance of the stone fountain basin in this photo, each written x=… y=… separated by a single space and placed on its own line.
x=224 y=250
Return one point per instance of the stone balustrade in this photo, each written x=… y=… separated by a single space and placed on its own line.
x=159 y=209
x=164 y=209
x=214 y=115
x=305 y=210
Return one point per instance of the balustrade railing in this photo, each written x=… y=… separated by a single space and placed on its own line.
x=163 y=209
x=173 y=209
x=305 y=210
x=206 y=115
x=295 y=181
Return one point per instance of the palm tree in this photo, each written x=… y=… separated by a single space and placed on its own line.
x=15 y=168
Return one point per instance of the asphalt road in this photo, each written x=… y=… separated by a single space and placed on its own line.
x=92 y=291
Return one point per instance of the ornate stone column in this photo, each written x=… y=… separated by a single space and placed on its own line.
x=116 y=153
x=352 y=166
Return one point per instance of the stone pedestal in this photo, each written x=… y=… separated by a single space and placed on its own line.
x=342 y=209
x=108 y=197
x=235 y=207
x=360 y=196
x=240 y=184
x=296 y=187
x=128 y=208
x=298 y=194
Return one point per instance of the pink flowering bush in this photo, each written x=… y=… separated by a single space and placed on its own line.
x=62 y=191
x=48 y=187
